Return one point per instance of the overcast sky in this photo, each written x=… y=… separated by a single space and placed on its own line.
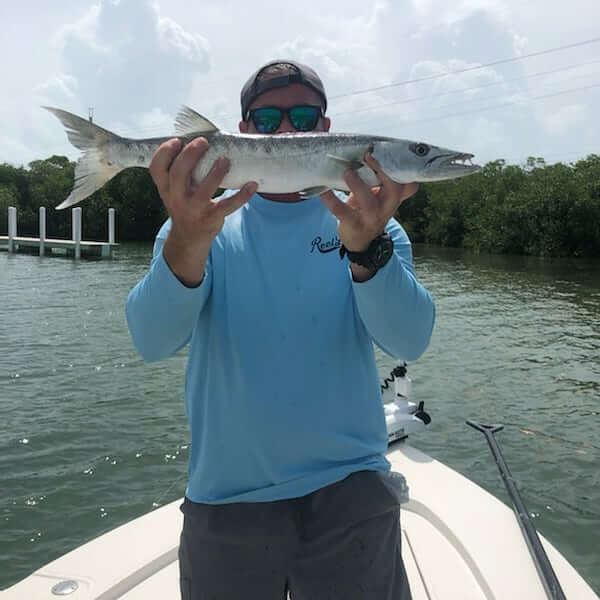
x=136 y=61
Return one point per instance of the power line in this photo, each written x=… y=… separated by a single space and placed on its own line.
x=439 y=75
x=506 y=104
x=457 y=71
x=484 y=108
x=470 y=89
x=472 y=104
x=466 y=69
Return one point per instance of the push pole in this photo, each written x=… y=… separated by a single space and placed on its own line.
x=538 y=554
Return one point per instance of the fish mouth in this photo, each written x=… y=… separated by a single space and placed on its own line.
x=449 y=165
x=455 y=160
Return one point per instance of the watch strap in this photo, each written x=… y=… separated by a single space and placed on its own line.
x=370 y=257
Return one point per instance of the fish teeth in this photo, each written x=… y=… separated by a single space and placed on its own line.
x=460 y=160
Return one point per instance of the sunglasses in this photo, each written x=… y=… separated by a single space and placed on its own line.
x=303 y=117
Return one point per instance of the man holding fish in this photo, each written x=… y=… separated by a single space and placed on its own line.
x=289 y=486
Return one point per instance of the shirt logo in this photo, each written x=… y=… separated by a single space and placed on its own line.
x=325 y=246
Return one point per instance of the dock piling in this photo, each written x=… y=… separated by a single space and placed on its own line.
x=77 y=231
x=12 y=228
x=42 y=230
x=111 y=225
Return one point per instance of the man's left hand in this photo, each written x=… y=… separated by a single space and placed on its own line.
x=367 y=211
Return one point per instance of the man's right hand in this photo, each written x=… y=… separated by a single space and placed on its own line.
x=196 y=219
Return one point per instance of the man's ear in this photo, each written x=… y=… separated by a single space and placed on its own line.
x=243 y=127
x=326 y=123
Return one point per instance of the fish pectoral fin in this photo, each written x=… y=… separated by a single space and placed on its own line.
x=347 y=163
x=189 y=121
x=313 y=191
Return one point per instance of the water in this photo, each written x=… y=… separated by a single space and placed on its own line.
x=91 y=437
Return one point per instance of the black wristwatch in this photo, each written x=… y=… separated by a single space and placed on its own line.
x=378 y=253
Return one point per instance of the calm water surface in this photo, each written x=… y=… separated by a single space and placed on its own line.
x=91 y=437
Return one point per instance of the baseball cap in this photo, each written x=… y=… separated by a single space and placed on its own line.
x=288 y=72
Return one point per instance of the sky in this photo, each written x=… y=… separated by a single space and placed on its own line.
x=136 y=62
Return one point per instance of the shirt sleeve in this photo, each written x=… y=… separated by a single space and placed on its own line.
x=398 y=312
x=161 y=311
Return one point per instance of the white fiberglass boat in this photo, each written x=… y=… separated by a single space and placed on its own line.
x=459 y=541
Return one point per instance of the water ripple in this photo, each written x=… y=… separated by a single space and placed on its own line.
x=91 y=432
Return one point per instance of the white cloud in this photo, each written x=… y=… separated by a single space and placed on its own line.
x=16 y=151
x=61 y=87
x=136 y=62
x=128 y=59
x=124 y=59
x=176 y=41
x=152 y=123
x=565 y=119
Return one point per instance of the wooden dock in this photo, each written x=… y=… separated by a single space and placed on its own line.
x=75 y=247
x=51 y=246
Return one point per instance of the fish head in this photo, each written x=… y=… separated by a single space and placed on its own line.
x=405 y=161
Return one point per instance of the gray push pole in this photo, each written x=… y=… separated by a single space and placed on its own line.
x=42 y=229
x=12 y=228
x=111 y=225
x=77 y=231
x=549 y=579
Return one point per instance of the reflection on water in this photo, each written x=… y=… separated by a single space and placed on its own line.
x=91 y=436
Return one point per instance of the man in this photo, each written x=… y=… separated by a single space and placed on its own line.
x=289 y=487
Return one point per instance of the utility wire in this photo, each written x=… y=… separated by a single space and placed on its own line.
x=506 y=104
x=460 y=113
x=469 y=89
x=466 y=69
x=472 y=104
x=439 y=75
x=153 y=131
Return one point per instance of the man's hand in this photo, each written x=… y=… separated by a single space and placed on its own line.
x=367 y=211
x=196 y=218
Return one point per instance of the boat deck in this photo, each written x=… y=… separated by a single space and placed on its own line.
x=459 y=542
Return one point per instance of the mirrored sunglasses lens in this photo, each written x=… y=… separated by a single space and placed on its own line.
x=304 y=118
x=266 y=120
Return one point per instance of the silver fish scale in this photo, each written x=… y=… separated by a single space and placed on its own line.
x=287 y=162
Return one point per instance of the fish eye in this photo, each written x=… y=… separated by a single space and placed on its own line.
x=421 y=149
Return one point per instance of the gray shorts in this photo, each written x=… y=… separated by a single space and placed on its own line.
x=339 y=542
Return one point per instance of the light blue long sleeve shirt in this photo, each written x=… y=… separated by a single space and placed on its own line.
x=282 y=392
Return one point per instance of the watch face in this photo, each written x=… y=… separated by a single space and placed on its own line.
x=377 y=255
x=383 y=252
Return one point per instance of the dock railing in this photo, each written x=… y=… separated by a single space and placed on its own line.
x=46 y=245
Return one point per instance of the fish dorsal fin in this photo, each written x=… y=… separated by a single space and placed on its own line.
x=189 y=121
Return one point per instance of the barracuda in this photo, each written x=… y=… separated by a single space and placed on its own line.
x=308 y=163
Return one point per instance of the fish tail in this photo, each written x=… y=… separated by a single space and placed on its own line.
x=93 y=169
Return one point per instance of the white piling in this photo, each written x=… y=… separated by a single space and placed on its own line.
x=42 y=229
x=12 y=228
x=111 y=225
x=77 y=231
